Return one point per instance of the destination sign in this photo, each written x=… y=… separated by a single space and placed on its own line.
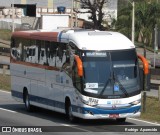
x=96 y=54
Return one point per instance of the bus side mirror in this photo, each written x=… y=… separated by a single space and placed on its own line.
x=144 y=74
x=145 y=64
x=79 y=65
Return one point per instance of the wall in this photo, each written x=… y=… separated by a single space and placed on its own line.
x=35 y=22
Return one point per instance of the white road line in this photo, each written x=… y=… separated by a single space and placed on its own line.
x=7 y=110
x=5 y=91
x=145 y=121
x=73 y=126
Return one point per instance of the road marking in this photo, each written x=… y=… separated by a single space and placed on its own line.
x=7 y=110
x=73 y=126
x=145 y=121
x=5 y=91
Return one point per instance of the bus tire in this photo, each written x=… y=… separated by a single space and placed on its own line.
x=121 y=120
x=28 y=106
x=69 y=113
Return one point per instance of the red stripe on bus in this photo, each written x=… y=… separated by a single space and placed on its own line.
x=48 y=36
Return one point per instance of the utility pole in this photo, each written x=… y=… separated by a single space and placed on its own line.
x=155 y=44
x=133 y=20
x=76 y=6
x=72 y=14
x=13 y=16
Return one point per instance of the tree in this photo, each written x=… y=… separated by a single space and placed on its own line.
x=95 y=9
x=124 y=21
x=147 y=15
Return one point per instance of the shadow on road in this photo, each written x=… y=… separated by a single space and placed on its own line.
x=60 y=118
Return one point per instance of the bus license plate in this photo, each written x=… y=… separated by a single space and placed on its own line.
x=114 y=116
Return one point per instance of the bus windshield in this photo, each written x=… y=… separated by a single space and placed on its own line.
x=110 y=74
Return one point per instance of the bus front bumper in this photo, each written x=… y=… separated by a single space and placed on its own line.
x=95 y=113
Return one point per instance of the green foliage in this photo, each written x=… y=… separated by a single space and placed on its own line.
x=147 y=14
x=5 y=34
x=124 y=21
x=152 y=110
x=5 y=82
x=146 y=18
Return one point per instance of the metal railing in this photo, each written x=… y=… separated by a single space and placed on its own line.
x=8 y=25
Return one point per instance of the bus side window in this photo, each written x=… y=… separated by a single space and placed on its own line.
x=16 y=47
x=61 y=55
x=66 y=65
x=53 y=54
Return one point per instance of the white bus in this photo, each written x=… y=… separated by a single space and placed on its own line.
x=88 y=74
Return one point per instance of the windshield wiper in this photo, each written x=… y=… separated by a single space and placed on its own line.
x=120 y=85
x=106 y=84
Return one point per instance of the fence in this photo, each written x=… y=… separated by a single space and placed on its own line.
x=8 y=25
x=155 y=82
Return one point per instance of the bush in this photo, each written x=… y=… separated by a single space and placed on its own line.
x=5 y=34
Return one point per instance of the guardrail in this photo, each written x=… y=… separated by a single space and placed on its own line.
x=8 y=25
x=5 y=48
x=155 y=81
x=4 y=67
x=5 y=42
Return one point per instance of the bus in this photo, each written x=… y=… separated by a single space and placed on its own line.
x=88 y=74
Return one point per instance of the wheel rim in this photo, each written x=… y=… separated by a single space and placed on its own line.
x=70 y=113
x=27 y=101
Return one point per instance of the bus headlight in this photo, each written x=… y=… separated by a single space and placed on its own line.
x=135 y=102
x=90 y=102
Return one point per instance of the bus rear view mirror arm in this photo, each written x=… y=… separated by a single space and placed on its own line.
x=145 y=64
x=79 y=65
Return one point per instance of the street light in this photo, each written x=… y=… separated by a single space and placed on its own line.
x=72 y=14
x=133 y=19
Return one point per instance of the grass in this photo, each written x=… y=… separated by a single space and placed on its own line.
x=5 y=34
x=152 y=110
x=152 y=104
x=5 y=82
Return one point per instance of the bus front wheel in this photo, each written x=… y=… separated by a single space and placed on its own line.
x=27 y=102
x=69 y=112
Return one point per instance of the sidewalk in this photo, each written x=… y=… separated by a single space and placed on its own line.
x=5 y=42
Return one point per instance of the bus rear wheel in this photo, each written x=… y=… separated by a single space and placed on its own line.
x=28 y=107
x=121 y=120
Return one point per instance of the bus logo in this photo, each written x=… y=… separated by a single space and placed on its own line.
x=114 y=107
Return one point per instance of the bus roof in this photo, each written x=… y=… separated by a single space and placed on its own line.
x=83 y=39
x=100 y=40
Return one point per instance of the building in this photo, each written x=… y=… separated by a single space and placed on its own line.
x=50 y=7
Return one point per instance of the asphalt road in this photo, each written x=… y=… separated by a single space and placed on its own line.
x=13 y=113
